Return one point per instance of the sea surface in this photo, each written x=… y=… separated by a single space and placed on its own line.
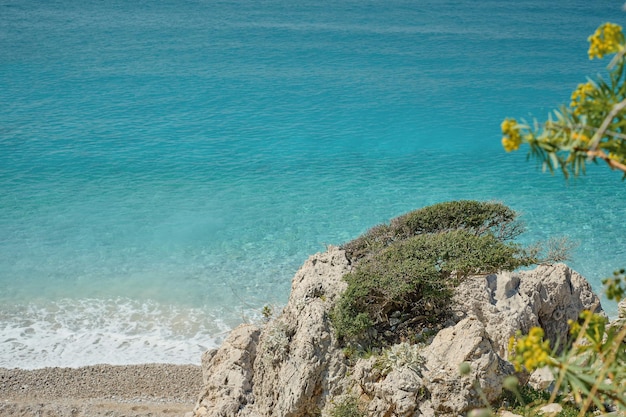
x=166 y=166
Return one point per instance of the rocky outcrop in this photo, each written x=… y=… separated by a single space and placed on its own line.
x=438 y=388
x=547 y=296
x=467 y=341
x=295 y=367
x=227 y=374
x=300 y=364
x=401 y=393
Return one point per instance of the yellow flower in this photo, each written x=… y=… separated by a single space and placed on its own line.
x=531 y=351
x=580 y=137
x=511 y=343
x=594 y=331
x=574 y=327
x=509 y=145
x=616 y=157
x=607 y=39
x=511 y=140
x=582 y=92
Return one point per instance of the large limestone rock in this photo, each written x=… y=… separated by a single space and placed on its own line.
x=467 y=341
x=301 y=363
x=547 y=296
x=295 y=367
x=295 y=364
x=400 y=393
x=227 y=374
x=489 y=310
x=438 y=388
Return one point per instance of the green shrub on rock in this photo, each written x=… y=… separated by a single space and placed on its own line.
x=475 y=217
x=405 y=272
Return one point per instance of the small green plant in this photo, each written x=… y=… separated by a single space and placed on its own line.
x=276 y=341
x=347 y=407
x=267 y=312
x=354 y=352
x=401 y=355
x=522 y=399
x=526 y=401
x=613 y=286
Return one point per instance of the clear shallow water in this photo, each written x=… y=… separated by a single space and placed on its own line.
x=165 y=167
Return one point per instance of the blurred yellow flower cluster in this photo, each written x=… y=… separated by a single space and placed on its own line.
x=607 y=39
x=511 y=139
x=594 y=330
x=580 y=137
x=531 y=351
x=580 y=95
x=617 y=157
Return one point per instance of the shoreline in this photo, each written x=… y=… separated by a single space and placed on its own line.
x=101 y=390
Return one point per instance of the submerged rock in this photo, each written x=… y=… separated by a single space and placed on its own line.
x=295 y=366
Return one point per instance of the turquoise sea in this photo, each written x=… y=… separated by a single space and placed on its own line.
x=166 y=166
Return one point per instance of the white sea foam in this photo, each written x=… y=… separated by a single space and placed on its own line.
x=71 y=333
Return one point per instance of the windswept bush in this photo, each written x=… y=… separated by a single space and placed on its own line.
x=475 y=217
x=406 y=271
x=416 y=277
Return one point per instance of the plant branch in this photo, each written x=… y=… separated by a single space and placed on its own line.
x=605 y=124
x=609 y=361
x=613 y=164
x=590 y=128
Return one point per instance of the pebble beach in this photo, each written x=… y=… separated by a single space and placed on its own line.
x=100 y=390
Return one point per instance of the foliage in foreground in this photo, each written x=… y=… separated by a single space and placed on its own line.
x=592 y=127
x=406 y=271
x=590 y=375
x=592 y=371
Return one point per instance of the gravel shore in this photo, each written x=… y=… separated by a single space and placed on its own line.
x=100 y=390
